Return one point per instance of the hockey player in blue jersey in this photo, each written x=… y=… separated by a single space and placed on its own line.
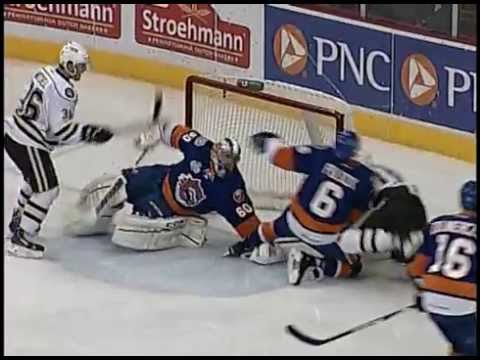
x=334 y=195
x=168 y=200
x=445 y=270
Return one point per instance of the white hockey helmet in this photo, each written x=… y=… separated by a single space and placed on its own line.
x=74 y=59
x=225 y=155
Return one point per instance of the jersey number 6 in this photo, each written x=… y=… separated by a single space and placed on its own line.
x=324 y=202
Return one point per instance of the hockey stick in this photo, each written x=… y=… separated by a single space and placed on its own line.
x=292 y=330
x=157 y=108
x=133 y=127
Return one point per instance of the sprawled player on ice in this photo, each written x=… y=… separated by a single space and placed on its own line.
x=342 y=209
x=394 y=221
x=167 y=200
x=334 y=195
x=42 y=121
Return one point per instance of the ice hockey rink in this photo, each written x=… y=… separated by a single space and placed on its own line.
x=88 y=297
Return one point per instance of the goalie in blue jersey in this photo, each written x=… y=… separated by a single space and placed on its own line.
x=166 y=201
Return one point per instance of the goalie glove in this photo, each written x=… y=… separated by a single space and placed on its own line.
x=155 y=134
x=259 y=140
x=148 y=139
x=96 y=134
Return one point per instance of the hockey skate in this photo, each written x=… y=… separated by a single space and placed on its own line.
x=14 y=224
x=20 y=246
x=299 y=264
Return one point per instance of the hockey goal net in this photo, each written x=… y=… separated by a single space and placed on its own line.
x=221 y=107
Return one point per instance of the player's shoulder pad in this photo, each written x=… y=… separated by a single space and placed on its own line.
x=62 y=86
x=41 y=79
x=200 y=140
x=447 y=217
x=323 y=151
x=303 y=150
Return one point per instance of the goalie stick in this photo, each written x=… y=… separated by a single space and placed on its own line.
x=157 y=108
x=292 y=330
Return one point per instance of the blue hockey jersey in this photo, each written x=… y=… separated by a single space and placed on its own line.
x=191 y=187
x=335 y=192
x=447 y=261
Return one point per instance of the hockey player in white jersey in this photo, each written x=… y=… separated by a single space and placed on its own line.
x=41 y=122
x=394 y=222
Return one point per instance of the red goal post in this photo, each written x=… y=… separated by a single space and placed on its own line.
x=228 y=106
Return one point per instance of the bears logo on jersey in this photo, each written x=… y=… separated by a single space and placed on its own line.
x=189 y=191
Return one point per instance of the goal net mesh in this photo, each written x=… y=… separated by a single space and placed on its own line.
x=221 y=107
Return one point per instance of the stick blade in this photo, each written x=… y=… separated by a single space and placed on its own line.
x=292 y=330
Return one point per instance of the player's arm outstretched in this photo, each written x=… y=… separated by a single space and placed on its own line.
x=291 y=158
x=174 y=135
x=69 y=132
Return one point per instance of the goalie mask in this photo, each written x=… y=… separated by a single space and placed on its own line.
x=224 y=156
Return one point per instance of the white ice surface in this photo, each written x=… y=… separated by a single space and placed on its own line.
x=88 y=297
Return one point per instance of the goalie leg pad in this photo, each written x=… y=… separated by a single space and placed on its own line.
x=82 y=219
x=142 y=233
x=194 y=233
x=112 y=198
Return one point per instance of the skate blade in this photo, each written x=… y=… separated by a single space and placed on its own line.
x=21 y=252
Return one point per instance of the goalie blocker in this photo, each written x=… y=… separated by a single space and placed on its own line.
x=101 y=210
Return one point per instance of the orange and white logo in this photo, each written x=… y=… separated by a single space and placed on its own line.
x=419 y=79
x=290 y=49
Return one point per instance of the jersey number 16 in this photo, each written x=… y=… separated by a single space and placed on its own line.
x=452 y=259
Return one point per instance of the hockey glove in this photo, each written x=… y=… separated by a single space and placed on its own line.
x=238 y=249
x=96 y=134
x=259 y=140
x=418 y=301
x=149 y=138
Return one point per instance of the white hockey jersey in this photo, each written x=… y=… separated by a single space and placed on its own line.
x=43 y=116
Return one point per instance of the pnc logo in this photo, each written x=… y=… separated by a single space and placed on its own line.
x=419 y=79
x=290 y=49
